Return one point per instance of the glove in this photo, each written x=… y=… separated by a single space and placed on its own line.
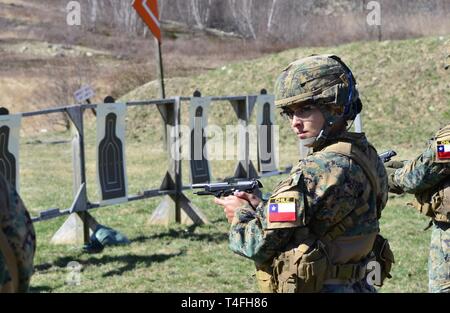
x=393 y=164
x=390 y=171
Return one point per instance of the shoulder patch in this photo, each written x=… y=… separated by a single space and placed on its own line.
x=282 y=209
x=442 y=145
x=443 y=151
x=285 y=208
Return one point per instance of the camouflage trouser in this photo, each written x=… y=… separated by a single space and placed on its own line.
x=439 y=259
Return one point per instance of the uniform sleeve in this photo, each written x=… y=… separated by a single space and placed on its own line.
x=250 y=237
x=319 y=191
x=18 y=228
x=421 y=174
x=334 y=188
x=326 y=188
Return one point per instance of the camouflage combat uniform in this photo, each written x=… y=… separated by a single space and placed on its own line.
x=336 y=208
x=328 y=187
x=426 y=176
x=18 y=231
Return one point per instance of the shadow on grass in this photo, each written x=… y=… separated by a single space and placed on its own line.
x=130 y=261
x=188 y=233
x=39 y=289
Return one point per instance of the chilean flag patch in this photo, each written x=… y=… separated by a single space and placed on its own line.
x=282 y=210
x=443 y=150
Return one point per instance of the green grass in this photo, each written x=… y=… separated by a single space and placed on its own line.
x=405 y=95
x=403 y=226
x=177 y=258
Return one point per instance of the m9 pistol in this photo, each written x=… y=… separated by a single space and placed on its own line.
x=386 y=156
x=223 y=189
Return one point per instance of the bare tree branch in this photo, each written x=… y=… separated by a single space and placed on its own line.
x=271 y=12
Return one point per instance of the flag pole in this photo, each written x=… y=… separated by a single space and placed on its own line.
x=162 y=91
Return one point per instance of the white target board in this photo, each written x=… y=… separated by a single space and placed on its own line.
x=199 y=163
x=267 y=134
x=111 y=166
x=9 y=147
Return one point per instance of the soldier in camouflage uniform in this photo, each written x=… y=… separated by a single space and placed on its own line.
x=318 y=230
x=428 y=178
x=17 y=241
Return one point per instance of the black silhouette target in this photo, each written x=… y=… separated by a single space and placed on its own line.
x=7 y=159
x=111 y=163
x=199 y=164
x=266 y=137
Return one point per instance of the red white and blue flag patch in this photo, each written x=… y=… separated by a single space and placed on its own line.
x=443 y=150
x=282 y=210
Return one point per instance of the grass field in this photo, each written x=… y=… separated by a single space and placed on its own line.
x=406 y=98
x=176 y=258
x=179 y=258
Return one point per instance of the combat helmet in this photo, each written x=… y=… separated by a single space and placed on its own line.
x=322 y=80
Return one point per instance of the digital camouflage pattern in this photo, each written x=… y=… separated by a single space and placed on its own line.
x=439 y=259
x=328 y=186
x=420 y=174
x=321 y=79
x=424 y=175
x=16 y=224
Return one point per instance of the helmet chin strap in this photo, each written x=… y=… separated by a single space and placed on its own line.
x=330 y=131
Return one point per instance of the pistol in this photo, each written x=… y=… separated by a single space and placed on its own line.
x=223 y=189
x=386 y=156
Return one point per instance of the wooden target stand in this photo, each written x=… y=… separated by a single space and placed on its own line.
x=178 y=204
x=175 y=206
x=80 y=224
x=178 y=207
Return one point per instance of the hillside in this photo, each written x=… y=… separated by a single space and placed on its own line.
x=43 y=61
x=404 y=87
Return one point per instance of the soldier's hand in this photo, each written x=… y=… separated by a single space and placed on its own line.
x=390 y=171
x=250 y=197
x=393 y=164
x=230 y=204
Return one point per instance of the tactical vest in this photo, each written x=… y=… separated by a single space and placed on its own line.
x=435 y=202
x=307 y=266
x=10 y=261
